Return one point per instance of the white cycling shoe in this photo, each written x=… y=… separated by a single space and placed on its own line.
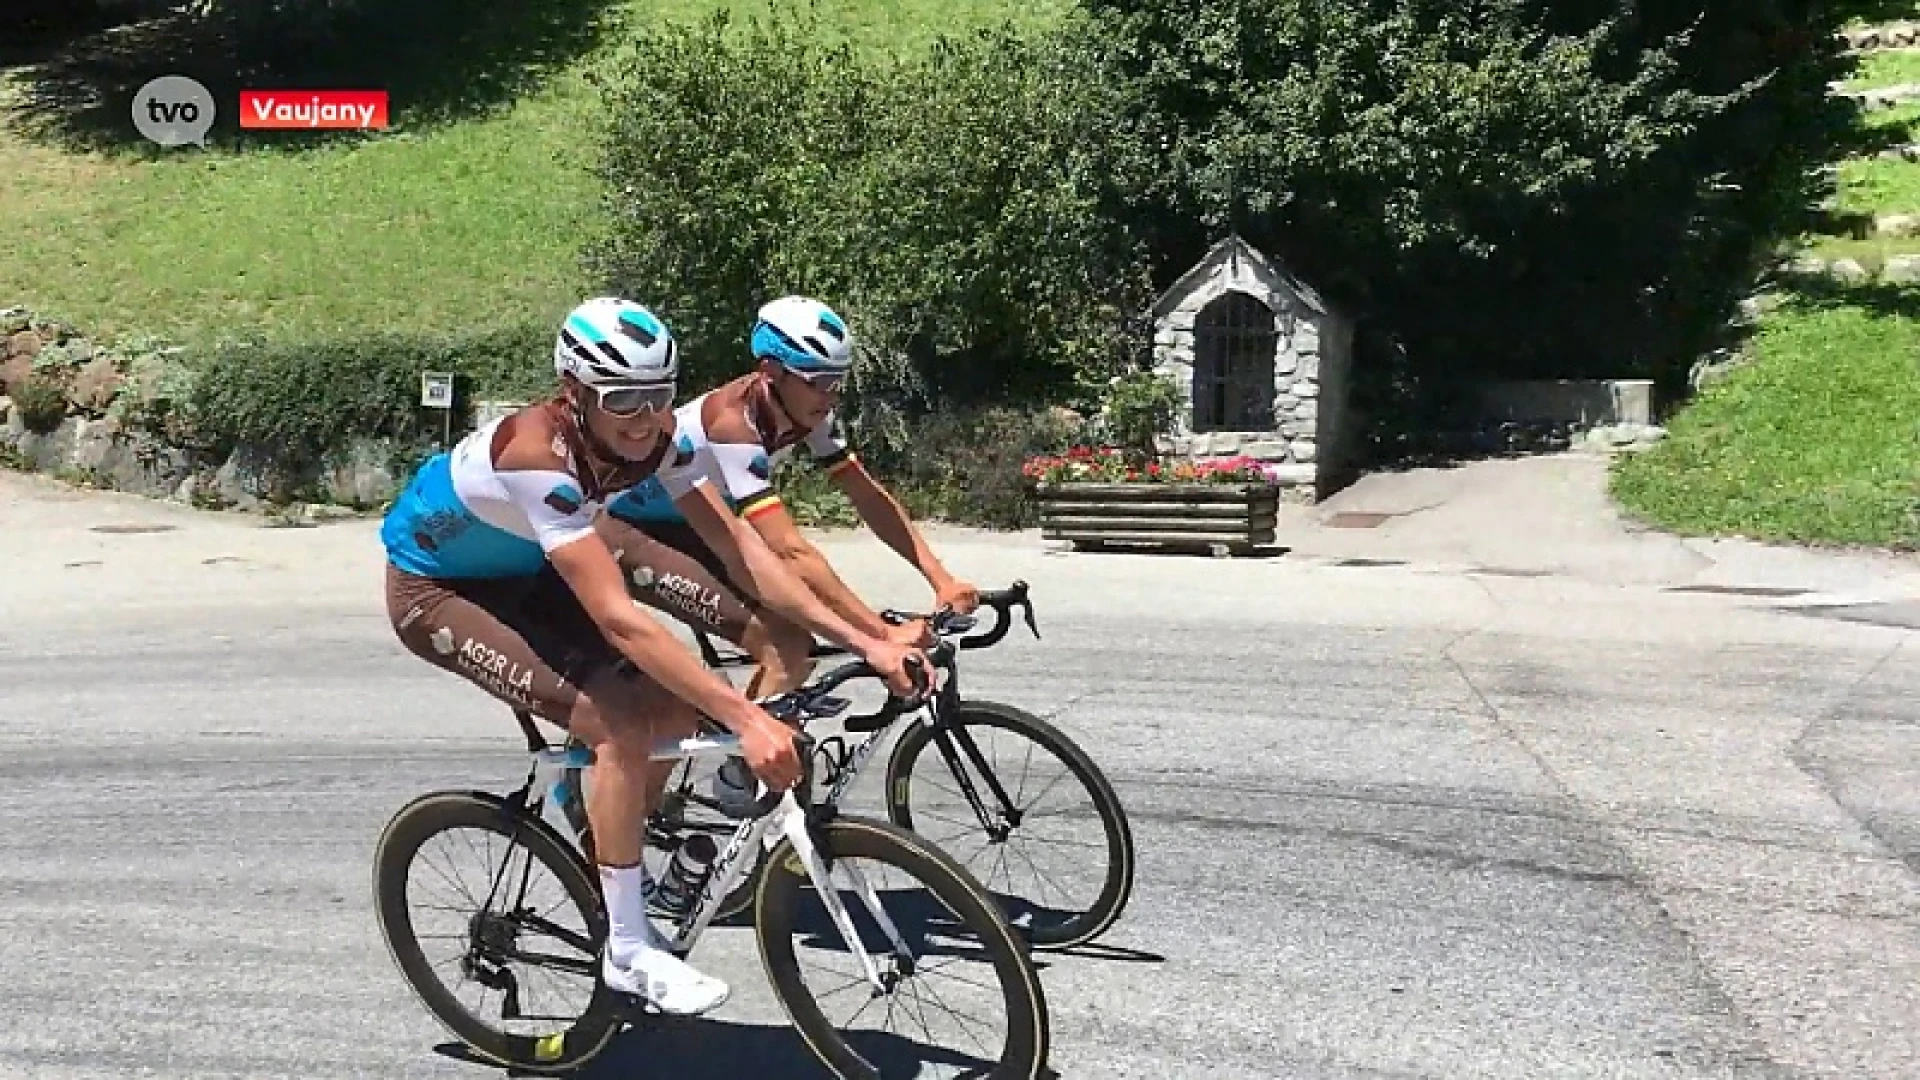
x=661 y=979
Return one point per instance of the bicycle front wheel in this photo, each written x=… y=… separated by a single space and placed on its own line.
x=497 y=927
x=896 y=944
x=1026 y=810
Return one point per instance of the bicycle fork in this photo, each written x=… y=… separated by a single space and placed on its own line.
x=794 y=824
x=944 y=739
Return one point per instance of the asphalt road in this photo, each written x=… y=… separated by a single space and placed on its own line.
x=1390 y=825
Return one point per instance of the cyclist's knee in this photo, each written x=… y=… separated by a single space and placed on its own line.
x=777 y=643
x=628 y=714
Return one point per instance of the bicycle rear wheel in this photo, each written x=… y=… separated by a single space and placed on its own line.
x=485 y=941
x=1004 y=982
x=985 y=799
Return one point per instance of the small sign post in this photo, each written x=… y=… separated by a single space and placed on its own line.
x=436 y=392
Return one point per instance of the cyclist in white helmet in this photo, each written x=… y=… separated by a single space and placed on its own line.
x=495 y=573
x=739 y=431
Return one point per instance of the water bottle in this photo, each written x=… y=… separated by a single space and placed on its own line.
x=735 y=787
x=686 y=873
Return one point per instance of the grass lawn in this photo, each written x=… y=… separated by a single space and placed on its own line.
x=1817 y=439
x=474 y=224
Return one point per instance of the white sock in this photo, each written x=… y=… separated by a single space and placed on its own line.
x=638 y=959
x=627 y=924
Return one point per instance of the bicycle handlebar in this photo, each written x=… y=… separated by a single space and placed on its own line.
x=816 y=700
x=947 y=622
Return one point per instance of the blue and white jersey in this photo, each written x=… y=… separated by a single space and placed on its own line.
x=731 y=453
x=464 y=516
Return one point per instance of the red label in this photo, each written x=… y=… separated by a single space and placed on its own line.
x=316 y=109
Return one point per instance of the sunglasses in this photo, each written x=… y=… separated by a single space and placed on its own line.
x=625 y=401
x=822 y=382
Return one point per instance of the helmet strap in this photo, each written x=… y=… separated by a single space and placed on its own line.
x=787 y=422
x=602 y=464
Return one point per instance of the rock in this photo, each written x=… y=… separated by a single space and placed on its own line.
x=1305 y=450
x=239 y=481
x=14 y=371
x=1294 y=475
x=1901 y=268
x=23 y=343
x=1849 y=271
x=322 y=512
x=96 y=384
x=1897 y=224
x=363 y=479
x=1266 y=449
x=50 y=452
x=6 y=409
x=1807 y=264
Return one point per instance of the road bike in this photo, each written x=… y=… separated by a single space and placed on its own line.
x=979 y=803
x=804 y=843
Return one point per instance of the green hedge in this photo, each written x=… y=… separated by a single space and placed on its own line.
x=1508 y=188
x=945 y=204
x=296 y=407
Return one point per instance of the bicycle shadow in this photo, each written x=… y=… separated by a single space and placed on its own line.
x=701 y=1049
x=926 y=927
x=939 y=933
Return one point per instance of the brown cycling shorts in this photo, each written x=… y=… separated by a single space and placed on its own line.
x=527 y=641
x=671 y=569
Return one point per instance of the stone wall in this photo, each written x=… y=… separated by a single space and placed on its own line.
x=1306 y=446
x=94 y=413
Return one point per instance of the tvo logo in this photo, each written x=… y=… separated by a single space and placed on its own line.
x=174 y=110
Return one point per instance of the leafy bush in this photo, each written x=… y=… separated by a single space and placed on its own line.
x=1508 y=188
x=964 y=465
x=944 y=204
x=298 y=407
x=1139 y=410
x=41 y=400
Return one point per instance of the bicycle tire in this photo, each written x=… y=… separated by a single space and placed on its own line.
x=1117 y=888
x=437 y=812
x=1029 y=1034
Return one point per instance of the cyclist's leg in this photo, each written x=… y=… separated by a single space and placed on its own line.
x=671 y=569
x=529 y=642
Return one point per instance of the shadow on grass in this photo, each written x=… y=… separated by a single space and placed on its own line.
x=1878 y=12
x=1819 y=292
x=439 y=61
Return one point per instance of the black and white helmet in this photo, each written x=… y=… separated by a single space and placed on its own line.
x=607 y=341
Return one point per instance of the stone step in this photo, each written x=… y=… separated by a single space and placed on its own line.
x=1878 y=98
x=1897 y=270
x=1884 y=38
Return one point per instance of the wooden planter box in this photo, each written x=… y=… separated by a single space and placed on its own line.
x=1220 y=519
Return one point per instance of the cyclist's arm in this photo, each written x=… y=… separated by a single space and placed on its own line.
x=747 y=471
x=775 y=526
x=889 y=521
x=769 y=578
x=563 y=524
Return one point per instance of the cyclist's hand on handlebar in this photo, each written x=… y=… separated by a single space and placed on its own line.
x=962 y=596
x=769 y=749
x=914 y=633
x=890 y=659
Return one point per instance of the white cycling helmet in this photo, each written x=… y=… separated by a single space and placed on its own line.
x=609 y=342
x=804 y=336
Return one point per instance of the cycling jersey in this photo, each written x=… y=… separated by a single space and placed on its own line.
x=727 y=426
x=463 y=516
